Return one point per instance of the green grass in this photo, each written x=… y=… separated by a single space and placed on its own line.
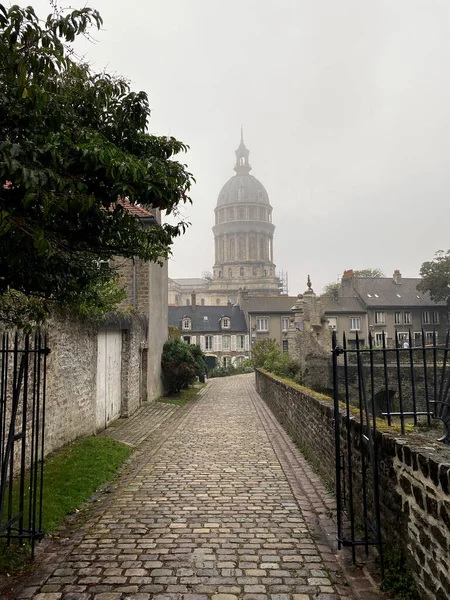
x=71 y=476
x=183 y=397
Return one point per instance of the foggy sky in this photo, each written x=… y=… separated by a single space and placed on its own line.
x=346 y=112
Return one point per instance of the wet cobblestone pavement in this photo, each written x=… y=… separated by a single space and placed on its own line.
x=224 y=507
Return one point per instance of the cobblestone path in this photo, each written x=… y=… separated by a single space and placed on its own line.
x=213 y=513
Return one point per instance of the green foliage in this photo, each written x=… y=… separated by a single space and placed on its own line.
x=436 y=277
x=72 y=143
x=220 y=371
x=267 y=354
x=331 y=288
x=279 y=363
x=72 y=474
x=183 y=397
x=260 y=350
x=398 y=578
x=181 y=365
x=174 y=332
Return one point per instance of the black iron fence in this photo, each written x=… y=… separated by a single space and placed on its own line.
x=23 y=372
x=403 y=385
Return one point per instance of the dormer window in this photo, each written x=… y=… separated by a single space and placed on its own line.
x=226 y=323
x=186 y=324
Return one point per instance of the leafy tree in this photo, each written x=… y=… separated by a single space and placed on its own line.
x=260 y=350
x=72 y=143
x=435 y=276
x=332 y=287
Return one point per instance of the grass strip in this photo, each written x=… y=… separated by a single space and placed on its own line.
x=71 y=475
x=183 y=397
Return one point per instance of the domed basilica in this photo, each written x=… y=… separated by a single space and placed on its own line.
x=243 y=239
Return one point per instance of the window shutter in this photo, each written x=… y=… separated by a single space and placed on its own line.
x=193 y=339
x=202 y=342
x=219 y=343
x=233 y=343
x=247 y=344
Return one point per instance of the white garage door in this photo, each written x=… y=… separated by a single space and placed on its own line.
x=109 y=378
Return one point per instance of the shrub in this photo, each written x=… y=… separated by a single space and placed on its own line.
x=260 y=350
x=220 y=371
x=279 y=363
x=181 y=365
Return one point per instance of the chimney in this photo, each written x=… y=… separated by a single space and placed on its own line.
x=194 y=300
x=346 y=287
x=397 y=277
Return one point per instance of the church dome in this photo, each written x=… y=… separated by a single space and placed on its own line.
x=243 y=189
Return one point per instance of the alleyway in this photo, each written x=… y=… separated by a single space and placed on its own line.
x=225 y=507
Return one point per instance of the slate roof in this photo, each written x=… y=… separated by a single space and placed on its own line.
x=211 y=324
x=269 y=304
x=383 y=291
x=345 y=305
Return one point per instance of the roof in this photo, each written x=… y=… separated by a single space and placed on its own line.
x=253 y=191
x=136 y=210
x=384 y=291
x=346 y=304
x=191 y=282
x=206 y=319
x=269 y=304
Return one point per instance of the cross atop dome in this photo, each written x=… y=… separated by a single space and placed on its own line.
x=242 y=166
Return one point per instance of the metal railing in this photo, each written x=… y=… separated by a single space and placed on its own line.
x=23 y=373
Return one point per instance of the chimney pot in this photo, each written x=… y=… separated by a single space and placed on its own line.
x=397 y=276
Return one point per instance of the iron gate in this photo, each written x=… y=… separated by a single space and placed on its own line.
x=407 y=382
x=23 y=373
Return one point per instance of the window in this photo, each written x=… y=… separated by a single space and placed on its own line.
x=284 y=323
x=407 y=318
x=262 y=324
x=220 y=274
x=217 y=300
x=285 y=345
x=240 y=360
x=417 y=338
x=225 y=323
x=226 y=342
x=186 y=323
x=435 y=317
x=402 y=337
x=379 y=335
x=426 y=317
x=202 y=302
x=241 y=213
x=355 y=323
x=397 y=318
x=240 y=342
x=430 y=339
x=332 y=323
x=380 y=318
x=254 y=271
x=230 y=273
x=251 y=213
x=208 y=342
x=188 y=302
x=186 y=339
x=241 y=272
x=226 y=362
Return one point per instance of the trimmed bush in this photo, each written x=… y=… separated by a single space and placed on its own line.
x=181 y=365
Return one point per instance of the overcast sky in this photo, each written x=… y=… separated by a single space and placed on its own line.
x=346 y=112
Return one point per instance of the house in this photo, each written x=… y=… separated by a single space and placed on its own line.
x=385 y=306
x=267 y=316
x=221 y=331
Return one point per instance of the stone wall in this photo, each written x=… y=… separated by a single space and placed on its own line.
x=414 y=480
x=72 y=375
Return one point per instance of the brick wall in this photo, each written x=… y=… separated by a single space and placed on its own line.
x=414 y=481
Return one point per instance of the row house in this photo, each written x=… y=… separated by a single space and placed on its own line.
x=221 y=331
x=387 y=308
